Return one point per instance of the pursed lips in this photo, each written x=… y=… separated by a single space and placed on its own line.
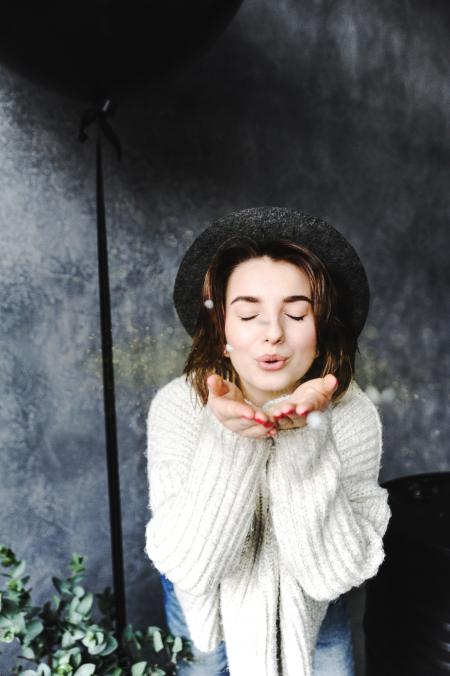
x=267 y=358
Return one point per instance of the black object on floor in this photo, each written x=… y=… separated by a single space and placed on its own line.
x=407 y=616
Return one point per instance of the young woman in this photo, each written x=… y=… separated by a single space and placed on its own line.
x=263 y=458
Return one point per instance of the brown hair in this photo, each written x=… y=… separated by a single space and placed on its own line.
x=336 y=339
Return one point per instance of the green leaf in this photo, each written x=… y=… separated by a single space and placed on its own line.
x=75 y=618
x=28 y=652
x=64 y=660
x=76 y=563
x=79 y=591
x=85 y=605
x=33 y=629
x=76 y=658
x=19 y=622
x=138 y=669
x=6 y=635
x=18 y=569
x=73 y=606
x=85 y=670
x=7 y=556
x=64 y=670
x=15 y=585
x=67 y=640
x=128 y=633
x=60 y=585
x=96 y=649
x=78 y=634
x=28 y=672
x=157 y=641
x=111 y=645
x=56 y=601
x=157 y=672
x=43 y=670
x=177 y=644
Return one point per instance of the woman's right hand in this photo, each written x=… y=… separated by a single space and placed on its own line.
x=227 y=403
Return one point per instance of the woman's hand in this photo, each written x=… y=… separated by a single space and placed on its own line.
x=314 y=395
x=228 y=405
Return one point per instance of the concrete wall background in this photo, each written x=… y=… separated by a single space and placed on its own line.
x=336 y=109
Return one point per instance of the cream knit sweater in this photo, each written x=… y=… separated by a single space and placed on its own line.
x=245 y=528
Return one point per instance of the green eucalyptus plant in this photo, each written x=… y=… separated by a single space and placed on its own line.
x=61 y=638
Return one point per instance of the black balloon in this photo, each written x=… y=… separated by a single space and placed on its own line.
x=93 y=49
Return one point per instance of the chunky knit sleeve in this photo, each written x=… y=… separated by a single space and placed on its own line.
x=203 y=483
x=328 y=510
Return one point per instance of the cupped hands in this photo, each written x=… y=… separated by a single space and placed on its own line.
x=228 y=404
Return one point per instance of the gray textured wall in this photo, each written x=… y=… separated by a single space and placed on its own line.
x=339 y=109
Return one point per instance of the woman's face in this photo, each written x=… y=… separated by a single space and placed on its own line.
x=268 y=311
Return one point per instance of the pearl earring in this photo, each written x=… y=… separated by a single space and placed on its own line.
x=228 y=348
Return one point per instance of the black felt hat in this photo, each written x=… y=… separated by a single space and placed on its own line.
x=266 y=224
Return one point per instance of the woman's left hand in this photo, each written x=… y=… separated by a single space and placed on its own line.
x=314 y=395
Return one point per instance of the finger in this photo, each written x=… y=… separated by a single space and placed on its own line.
x=306 y=407
x=318 y=401
x=323 y=398
x=331 y=382
x=262 y=419
x=217 y=386
x=230 y=409
x=257 y=432
x=284 y=410
x=325 y=386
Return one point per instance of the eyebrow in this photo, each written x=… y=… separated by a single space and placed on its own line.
x=288 y=299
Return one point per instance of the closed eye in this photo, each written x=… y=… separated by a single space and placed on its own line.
x=247 y=319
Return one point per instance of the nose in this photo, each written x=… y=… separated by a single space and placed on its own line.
x=272 y=329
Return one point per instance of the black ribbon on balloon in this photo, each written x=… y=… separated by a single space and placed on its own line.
x=100 y=116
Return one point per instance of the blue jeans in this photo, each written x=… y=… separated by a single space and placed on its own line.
x=333 y=655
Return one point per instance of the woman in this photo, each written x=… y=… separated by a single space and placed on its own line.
x=260 y=517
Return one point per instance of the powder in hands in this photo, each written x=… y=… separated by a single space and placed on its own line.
x=316 y=420
x=272 y=402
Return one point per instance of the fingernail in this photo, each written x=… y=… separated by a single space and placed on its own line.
x=304 y=412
